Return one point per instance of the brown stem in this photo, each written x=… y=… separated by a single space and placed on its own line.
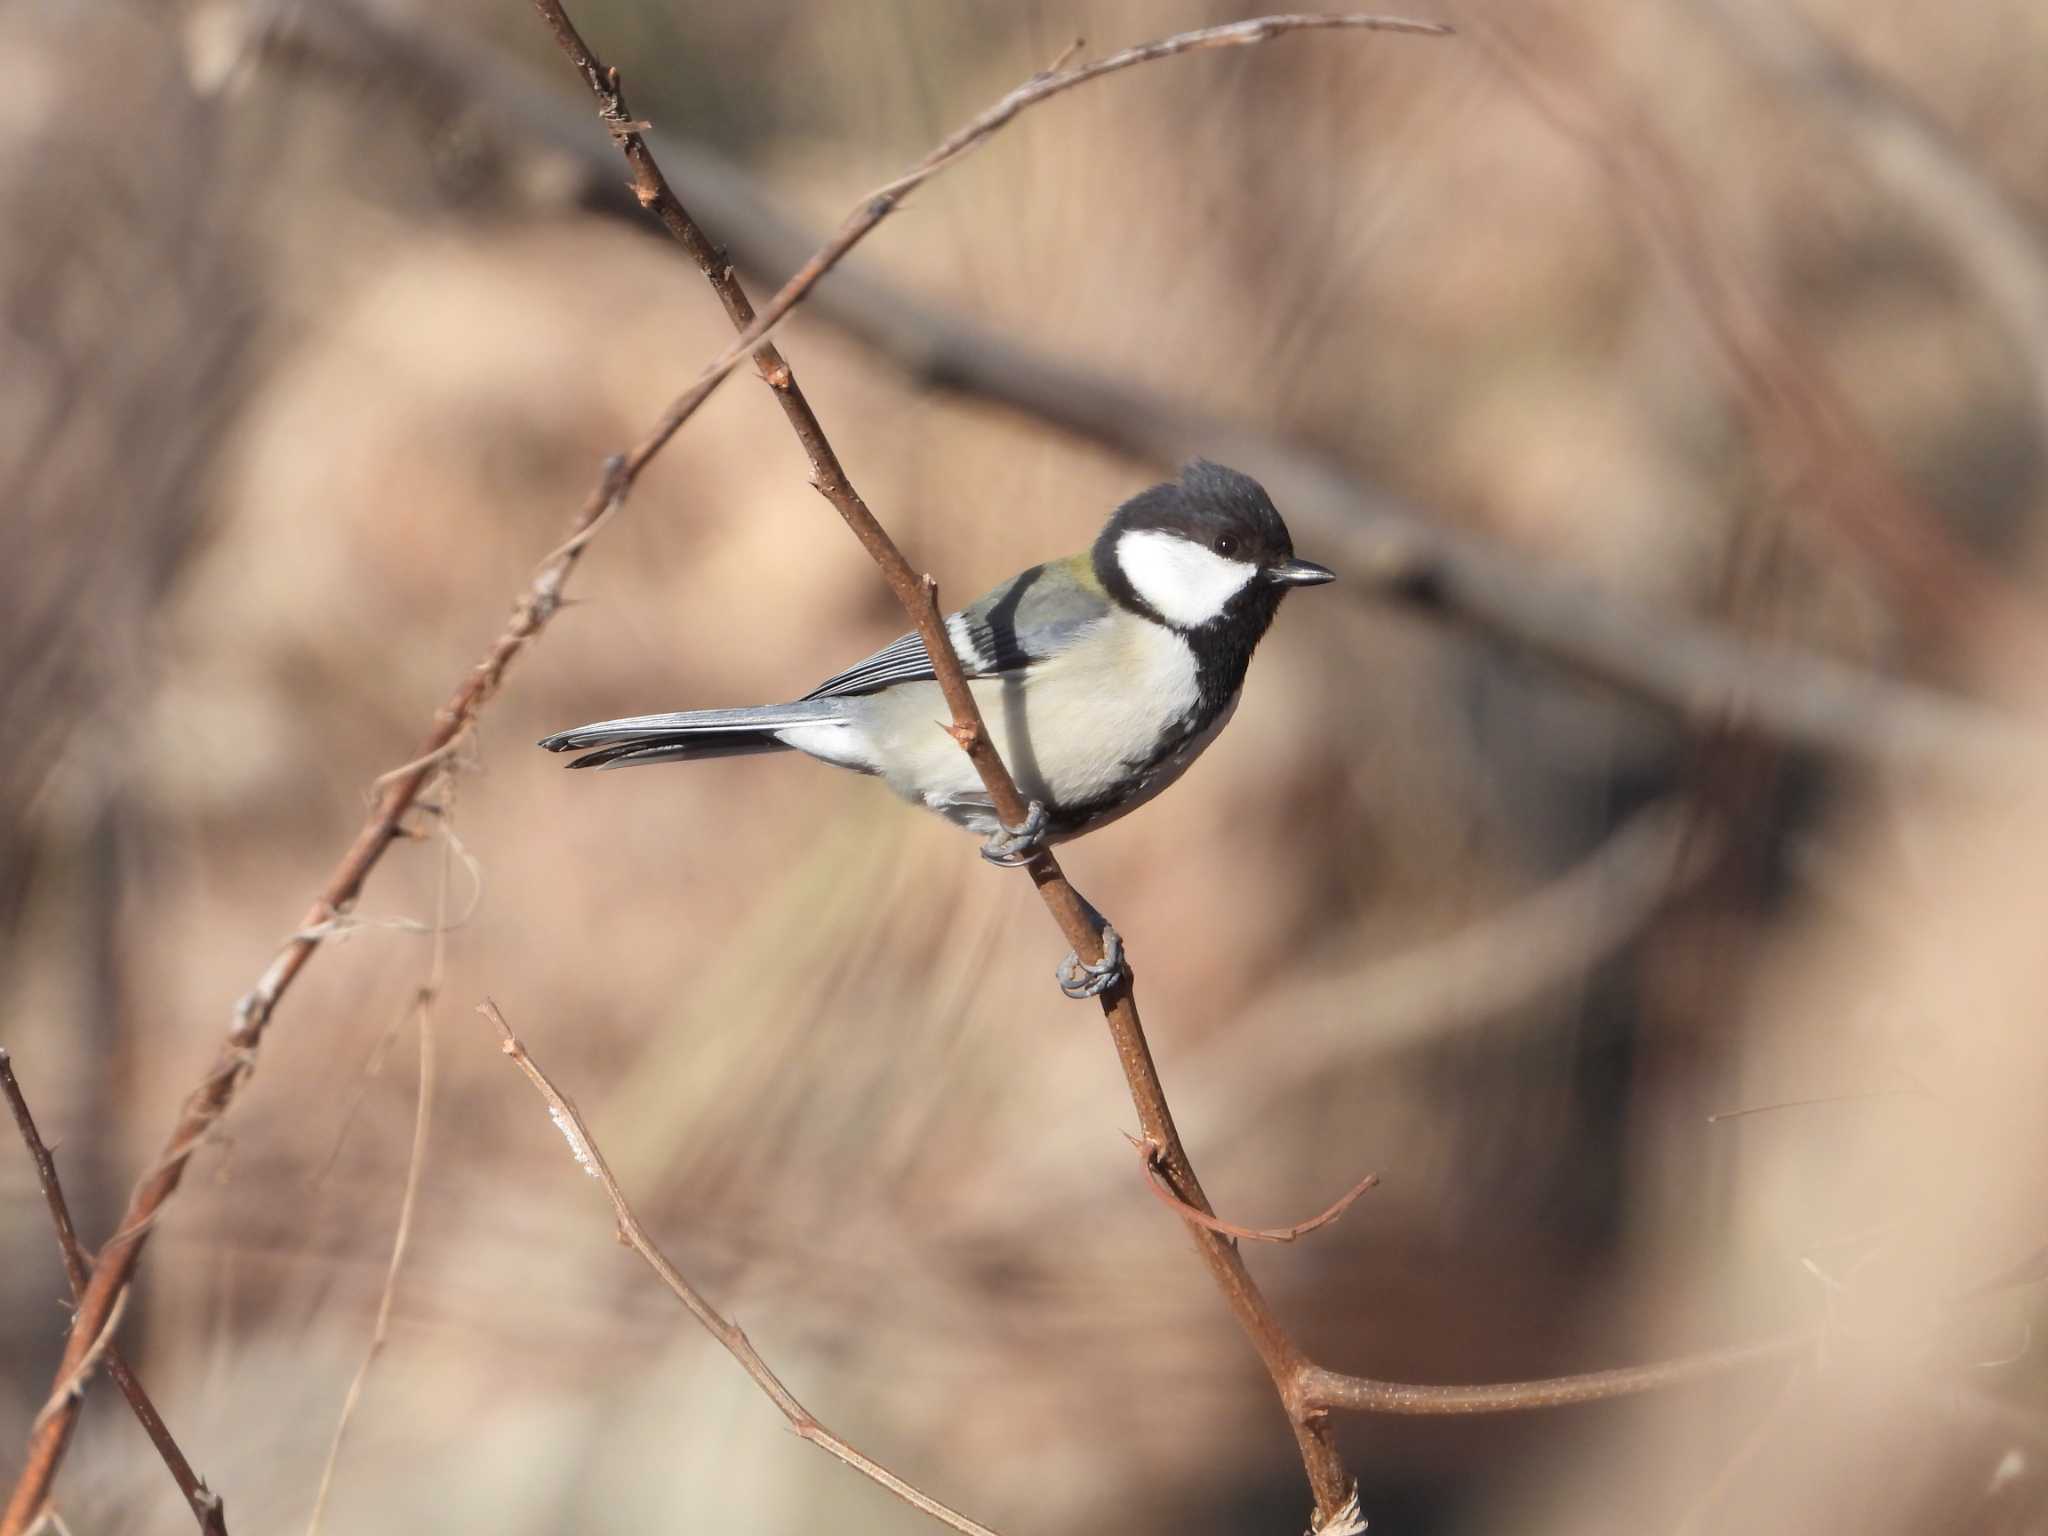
x=1164 y=1192
x=119 y=1255
x=919 y=597
x=205 y=1504
x=1332 y=1391
x=728 y=1333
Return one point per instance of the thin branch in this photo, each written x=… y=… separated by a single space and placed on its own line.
x=236 y=1058
x=1282 y=1357
x=728 y=1333
x=1332 y=1391
x=422 y=1010
x=1164 y=1192
x=205 y=1504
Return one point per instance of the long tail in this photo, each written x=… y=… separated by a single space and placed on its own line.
x=691 y=733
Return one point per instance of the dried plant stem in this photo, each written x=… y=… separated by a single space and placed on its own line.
x=728 y=1333
x=204 y=1502
x=236 y=1058
x=1165 y=1195
x=422 y=1010
x=1333 y=1391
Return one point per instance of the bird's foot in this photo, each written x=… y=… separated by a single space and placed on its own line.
x=1081 y=980
x=1014 y=847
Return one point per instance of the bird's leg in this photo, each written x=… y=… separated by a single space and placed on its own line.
x=1081 y=980
x=1014 y=847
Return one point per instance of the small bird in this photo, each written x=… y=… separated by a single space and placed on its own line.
x=1100 y=677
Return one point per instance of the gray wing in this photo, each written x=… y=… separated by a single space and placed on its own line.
x=1026 y=619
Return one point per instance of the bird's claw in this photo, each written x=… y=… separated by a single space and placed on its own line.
x=1014 y=847
x=1082 y=980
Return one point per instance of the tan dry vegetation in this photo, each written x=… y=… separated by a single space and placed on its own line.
x=308 y=382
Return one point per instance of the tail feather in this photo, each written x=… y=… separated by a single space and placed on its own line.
x=688 y=734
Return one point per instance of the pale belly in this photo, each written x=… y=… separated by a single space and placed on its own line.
x=1083 y=732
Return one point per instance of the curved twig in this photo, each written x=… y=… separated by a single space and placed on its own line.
x=1164 y=1192
x=1333 y=1391
x=583 y=1146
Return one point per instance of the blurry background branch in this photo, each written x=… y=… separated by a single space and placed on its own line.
x=1383 y=545
x=1801 y=420
x=1921 y=161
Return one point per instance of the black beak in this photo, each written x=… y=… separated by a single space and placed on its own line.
x=1300 y=573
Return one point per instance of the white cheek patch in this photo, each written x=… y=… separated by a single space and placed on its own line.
x=1186 y=584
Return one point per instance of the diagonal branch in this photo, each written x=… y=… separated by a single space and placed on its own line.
x=205 y=1503
x=1796 y=413
x=728 y=1333
x=1921 y=161
x=115 y=1267
x=1282 y=1357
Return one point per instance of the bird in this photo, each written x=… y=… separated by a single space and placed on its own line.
x=1101 y=677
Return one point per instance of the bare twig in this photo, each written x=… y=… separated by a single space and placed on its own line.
x=1826 y=1098
x=204 y=1502
x=1186 y=1212
x=1282 y=1357
x=1332 y=1391
x=422 y=1010
x=728 y=1333
x=118 y=1256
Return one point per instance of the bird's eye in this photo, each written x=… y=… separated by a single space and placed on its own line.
x=1226 y=544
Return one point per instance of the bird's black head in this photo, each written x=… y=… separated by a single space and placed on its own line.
x=1206 y=552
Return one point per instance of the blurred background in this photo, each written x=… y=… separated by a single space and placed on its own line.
x=319 y=321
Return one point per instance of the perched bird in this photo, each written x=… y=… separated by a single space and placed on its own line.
x=1100 y=677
